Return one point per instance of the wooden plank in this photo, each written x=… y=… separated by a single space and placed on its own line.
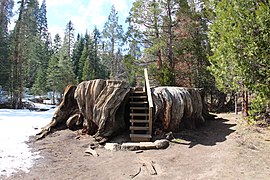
x=138 y=97
x=138 y=108
x=139 y=128
x=137 y=92
x=139 y=102
x=150 y=119
x=134 y=139
x=150 y=100
x=140 y=145
x=138 y=121
x=140 y=136
x=148 y=90
x=139 y=114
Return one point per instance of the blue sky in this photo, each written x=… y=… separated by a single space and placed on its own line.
x=85 y=14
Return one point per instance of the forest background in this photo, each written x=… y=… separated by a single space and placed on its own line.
x=221 y=46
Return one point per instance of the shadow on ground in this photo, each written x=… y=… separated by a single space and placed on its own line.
x=209 y=135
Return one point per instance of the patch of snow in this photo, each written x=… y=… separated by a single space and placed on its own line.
x=43 y=106
x=15 y=128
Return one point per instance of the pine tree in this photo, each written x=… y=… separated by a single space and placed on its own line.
x=69 y=38
x=5 y=63
x=40 y=83
x=54 y=81
x=95 y=52
x=82 y=61
x=36 y=45
x=145 y=21
x=42 y=25
x=113 y=35
x=17 y=82
x=165 y=29
x=77 y=52
x=65 y=62
x=239 y=51
x=88 y=72
x=57 y=43
x=42 y=22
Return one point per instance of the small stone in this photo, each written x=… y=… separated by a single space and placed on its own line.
x=112 y=146
x=161 y=144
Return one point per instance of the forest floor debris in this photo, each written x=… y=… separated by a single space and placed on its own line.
x=225 y=148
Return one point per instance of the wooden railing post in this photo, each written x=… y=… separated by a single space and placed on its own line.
x=150 y=100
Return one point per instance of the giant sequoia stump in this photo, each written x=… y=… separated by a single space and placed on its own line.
x=100 y=107
x=97 y=105
x=177 y=107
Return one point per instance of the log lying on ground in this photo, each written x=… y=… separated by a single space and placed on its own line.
x=177 y=107
x=97 y=105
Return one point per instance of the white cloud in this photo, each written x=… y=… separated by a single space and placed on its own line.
x=56 y=29
x=121 y=6
x=85 y=14
x=95 y=13
x=90 y=15
x=80 y=23
x=51 y=3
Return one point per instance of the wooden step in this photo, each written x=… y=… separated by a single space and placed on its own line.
x=139 y=128
x=139 y=114
x=138 y=88
x=139 y=102
x=139 y=108
x=138 y=97
x=139 y=121
x=137 y=92
x=140 y=137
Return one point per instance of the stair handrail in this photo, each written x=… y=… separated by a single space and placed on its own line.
x=149 y=97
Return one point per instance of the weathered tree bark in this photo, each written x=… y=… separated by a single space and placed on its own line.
x=17 y=84
x=100 y=108
x=97 y=105
x=99 y=102
x=67 y=114
x=177 y=107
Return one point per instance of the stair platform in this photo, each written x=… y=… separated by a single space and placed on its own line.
x=139 y=115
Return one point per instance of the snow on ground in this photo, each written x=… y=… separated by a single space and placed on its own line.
x=15 y=128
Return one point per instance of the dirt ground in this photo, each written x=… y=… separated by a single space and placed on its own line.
x=224 y=149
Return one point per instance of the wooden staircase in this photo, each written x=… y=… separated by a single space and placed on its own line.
x=141 y=107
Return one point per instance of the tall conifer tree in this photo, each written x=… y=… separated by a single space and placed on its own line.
x=113 y=35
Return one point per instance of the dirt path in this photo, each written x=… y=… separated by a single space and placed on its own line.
x=224 y=149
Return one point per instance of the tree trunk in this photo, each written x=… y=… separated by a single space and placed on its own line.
x=99 y=106
x=159 y=59
x=99 y=103
x=245 y=103
x=235 y=104
x=177 y=107
x=17 y=66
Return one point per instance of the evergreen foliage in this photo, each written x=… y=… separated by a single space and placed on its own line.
x=210 y=44
x=77 y=53
x=239 y=38
x=174 y=35
x=113 y=36
x=5 y=46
